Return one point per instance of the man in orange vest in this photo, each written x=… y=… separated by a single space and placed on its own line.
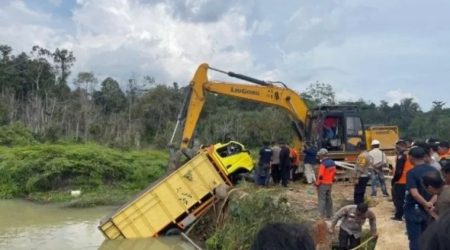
x=324 y=181
x=443 y=150
x=295 y=160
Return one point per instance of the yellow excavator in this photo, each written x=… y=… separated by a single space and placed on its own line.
x=337 y=128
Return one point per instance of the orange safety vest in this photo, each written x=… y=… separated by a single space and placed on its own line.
x=326 y=174
x=295 y=160
x=445 y=156
x=408 y=166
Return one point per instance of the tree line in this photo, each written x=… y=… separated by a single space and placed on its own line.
x=142 y=112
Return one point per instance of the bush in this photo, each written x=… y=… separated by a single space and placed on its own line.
x=43 y=168
x=16 y=134
x=247 y=214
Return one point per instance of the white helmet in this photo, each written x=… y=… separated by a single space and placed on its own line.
x=322 y=151
x=375 y=142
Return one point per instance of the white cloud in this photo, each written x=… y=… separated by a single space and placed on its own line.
x=153 y=41
x=363 y=49
x=23 y=27
x=395 y=96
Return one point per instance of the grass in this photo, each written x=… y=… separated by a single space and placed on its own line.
x=249 y=209
x=47 y=173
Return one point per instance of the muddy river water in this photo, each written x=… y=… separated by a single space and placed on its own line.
x=26 y=225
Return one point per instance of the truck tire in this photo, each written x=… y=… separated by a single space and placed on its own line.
x=240 y=175
x=173 y=231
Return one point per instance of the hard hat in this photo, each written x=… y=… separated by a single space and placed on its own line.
x=375 y=142
x=322 y=151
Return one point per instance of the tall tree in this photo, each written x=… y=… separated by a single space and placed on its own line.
x=65 y=60
x=320 y=94
x=110 y=96
x=40 y=68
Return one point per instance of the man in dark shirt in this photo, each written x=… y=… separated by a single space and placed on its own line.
x=262 y=171
x=285 y=163
x=418 y=202
x=310 y=161
x=398 y=182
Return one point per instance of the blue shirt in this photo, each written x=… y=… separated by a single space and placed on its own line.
x=310 y=156
x=265 y=154
x=414 y=180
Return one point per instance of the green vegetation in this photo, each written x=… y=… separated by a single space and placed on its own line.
x=44 y=172
x=16 y=135
x=249 y=209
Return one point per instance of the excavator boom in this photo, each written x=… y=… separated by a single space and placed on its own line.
x=264 y=92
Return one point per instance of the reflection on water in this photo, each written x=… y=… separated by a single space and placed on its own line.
x=25 y=225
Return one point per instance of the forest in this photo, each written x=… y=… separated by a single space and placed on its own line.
x=39 y=95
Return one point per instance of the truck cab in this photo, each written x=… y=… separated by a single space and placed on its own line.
x=234 y=159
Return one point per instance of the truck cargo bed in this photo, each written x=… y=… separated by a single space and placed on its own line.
x=174 y=201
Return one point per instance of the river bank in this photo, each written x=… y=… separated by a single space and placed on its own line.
x=77 y=175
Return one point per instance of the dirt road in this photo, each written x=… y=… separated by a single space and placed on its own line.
x=392 y=234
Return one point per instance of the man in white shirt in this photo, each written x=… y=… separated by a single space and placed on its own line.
x=379 y=162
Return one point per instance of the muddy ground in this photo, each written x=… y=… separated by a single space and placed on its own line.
x=302 y=198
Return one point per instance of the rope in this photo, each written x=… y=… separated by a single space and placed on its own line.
x=225 y=201
x=364 y=243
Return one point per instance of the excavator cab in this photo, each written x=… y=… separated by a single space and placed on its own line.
x=336 y=128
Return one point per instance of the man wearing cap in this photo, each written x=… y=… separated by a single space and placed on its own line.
x=377 y=175
x=324 y=181
x=418 y=202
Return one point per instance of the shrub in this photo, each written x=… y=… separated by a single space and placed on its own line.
x=44 y=167
x=16 y=134
x=247 y=214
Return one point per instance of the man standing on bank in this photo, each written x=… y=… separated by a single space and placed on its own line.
x=379 y=162
x=324 y=182
x=402 y=166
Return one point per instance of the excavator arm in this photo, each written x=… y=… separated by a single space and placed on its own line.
x=264 y=92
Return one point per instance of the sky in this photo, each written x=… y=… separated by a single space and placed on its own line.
x=375 y=50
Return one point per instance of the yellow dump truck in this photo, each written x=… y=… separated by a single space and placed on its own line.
x=175 y=201
x=387 y=135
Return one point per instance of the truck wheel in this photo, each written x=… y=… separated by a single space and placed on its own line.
x=239 y=176
x=173 y=231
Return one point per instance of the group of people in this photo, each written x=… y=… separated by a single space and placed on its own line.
x=419 y=186
x=352 y=217
x=278 y=161
x=421 y=191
